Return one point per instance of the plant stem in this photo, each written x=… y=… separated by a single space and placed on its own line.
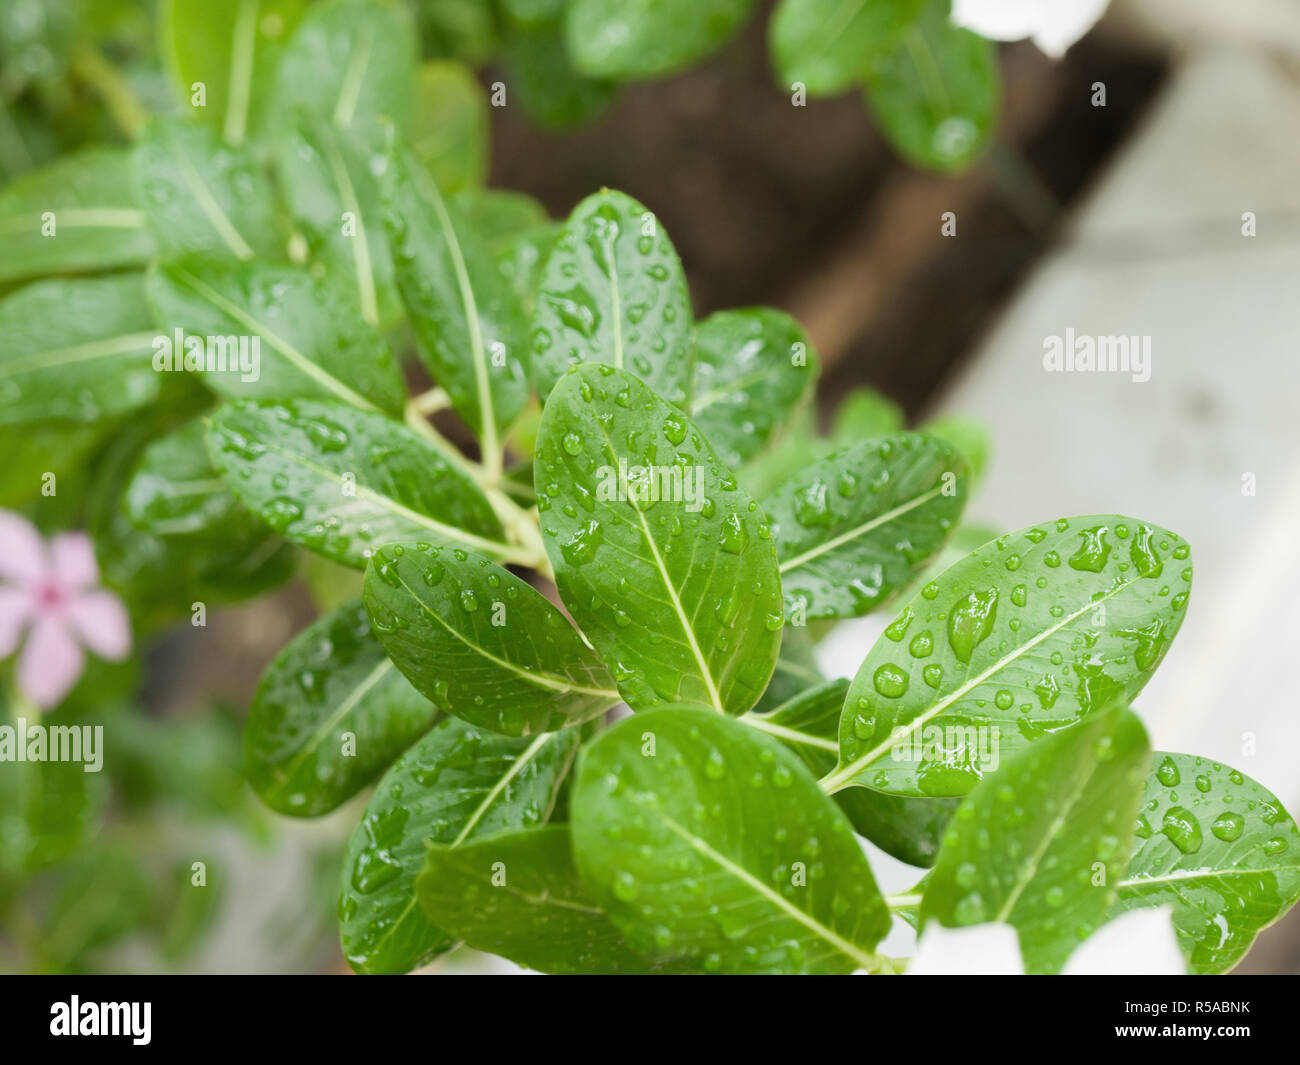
x=119 y=98
x=522 y=526
x=902 y=901
x=431 y=402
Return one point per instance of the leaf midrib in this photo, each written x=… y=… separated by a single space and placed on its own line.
x=706 y=674
x=327 y=726
x=122 y=344
x=469 y=305
x=1202 y=874
x=392 y=505
x=360 y=241
x=840 y=778
x=861 y=530
x=208 y=204
x=243 y=39
x=540 y=679
x=863 y=958
x=300 y=361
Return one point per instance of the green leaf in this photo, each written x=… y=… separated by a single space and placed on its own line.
x=522 y=261
x=936 y=94
x=176 y=492
x=299 y=335
x=905 y=826
x=856 y=526
x=334 y=198
x=613 y=39
x=341 y=481
x=1030 y=633
x=752 y=368
x=78 y=213
x=796 y=669
x=450 y=127
x=162 y=577
x=1041 y=844
x=331 y=712
x=709 y=843
x=519 y=895
x=969 y=436
x=455 y=785
x=1218 y=848
x=231 y=47
x=200 y=195
x=864 y=413
x=78 y=350
x=554 y=92
x=48 y=810
x=826 y=45
x=461 y=29
x=350 y=61
x=481 y=642
x=613 y=291
x=103 y=895
x=663 y=561
x=795 y=447
x=34 y=449
x=497 y=217
x=465 y=313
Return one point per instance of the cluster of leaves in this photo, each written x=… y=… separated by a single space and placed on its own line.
x=91 y=862
x=662 y=473
x=932 y=87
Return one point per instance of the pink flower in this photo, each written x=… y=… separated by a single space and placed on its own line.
x=54 y=591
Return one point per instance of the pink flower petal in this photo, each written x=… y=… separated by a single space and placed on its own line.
x=22 y=551
x=50 y=663
x=100 y=620
x=73 y=558
x=15 y=611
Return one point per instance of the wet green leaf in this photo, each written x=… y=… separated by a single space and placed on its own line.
x=752 y=368
x=519 y=895
x=467 y=317
x=455 y=785
x=726 y=856
x=334 y=199
x=78 y=350
x=662 y=559
x=350 y=61
x=855 y=527
x=1025 y=636
x=341 y=481
x=626 y=41
x=482 y=643
x=282 y=332
x=221 y=56
x=936 y=94
x=613 y=291
x=1041 y=844
x=908 y=827
x=330 y=714
x=827 y=45
x=554 y=92
x=1217 y=847
x=78 y=213
x=176 y=492
x=200 y=195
